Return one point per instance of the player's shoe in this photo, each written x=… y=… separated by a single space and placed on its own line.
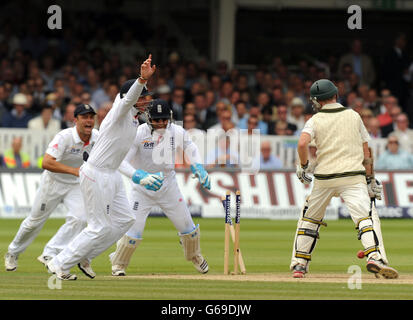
x=86 y=268
x=118 y=270
x=299 y=271
x=10 y=261
x=379 y=268
x=200 y=263
x=59 y=273
x=44 y=259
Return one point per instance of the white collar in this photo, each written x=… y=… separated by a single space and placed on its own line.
x=333 y=105
x=75 y=135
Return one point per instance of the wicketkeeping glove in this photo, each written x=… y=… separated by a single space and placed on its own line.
x=151 y=181
x=374 y=187
x=302 y=173
x=202 y=175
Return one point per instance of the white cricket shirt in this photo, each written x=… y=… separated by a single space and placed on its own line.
x=156 y=152
x=68 y=148
x=339 y=134
x=309 y=126
x=117 y=131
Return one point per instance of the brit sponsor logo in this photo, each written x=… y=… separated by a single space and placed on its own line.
x=148 y=144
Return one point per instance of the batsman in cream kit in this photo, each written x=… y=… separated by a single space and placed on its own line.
x=150 y=165
x=343 y=169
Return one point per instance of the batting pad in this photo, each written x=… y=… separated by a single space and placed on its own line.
x=368 y=238
x=125 y=247
x=191 y=243
x=377 y=231
x=305 y=240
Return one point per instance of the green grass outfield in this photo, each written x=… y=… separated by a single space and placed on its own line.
x=266 y=247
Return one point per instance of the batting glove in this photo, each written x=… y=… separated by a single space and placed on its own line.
x=151 y=181
x=202 y=175
x=302 y=173
x=374 y=188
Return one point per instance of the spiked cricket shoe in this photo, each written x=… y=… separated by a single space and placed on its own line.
x=59 y=273
x=86 y=268
x=118 y=270
x=10 y=261
x=44 y=259
x=379 y=268
x=200 y=263
x=299 y=271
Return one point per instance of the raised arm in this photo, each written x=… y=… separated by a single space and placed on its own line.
x=132 y=96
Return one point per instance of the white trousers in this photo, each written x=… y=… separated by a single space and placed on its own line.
x=48 y=196
x=66 y=233
x=356 y=199
x=169 y=199
x=108 y=216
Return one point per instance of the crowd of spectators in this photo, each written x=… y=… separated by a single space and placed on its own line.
x=42 y=80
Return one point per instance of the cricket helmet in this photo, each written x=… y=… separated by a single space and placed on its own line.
x=140 y=106
x=321 y=90
x=126 y=86
x=159 y=109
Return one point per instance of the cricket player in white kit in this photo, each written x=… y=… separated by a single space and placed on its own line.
x=107 y=207
x=59 y=183
x=341 y=170
x=153 y=152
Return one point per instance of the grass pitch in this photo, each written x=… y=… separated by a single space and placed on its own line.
x=158 y=270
